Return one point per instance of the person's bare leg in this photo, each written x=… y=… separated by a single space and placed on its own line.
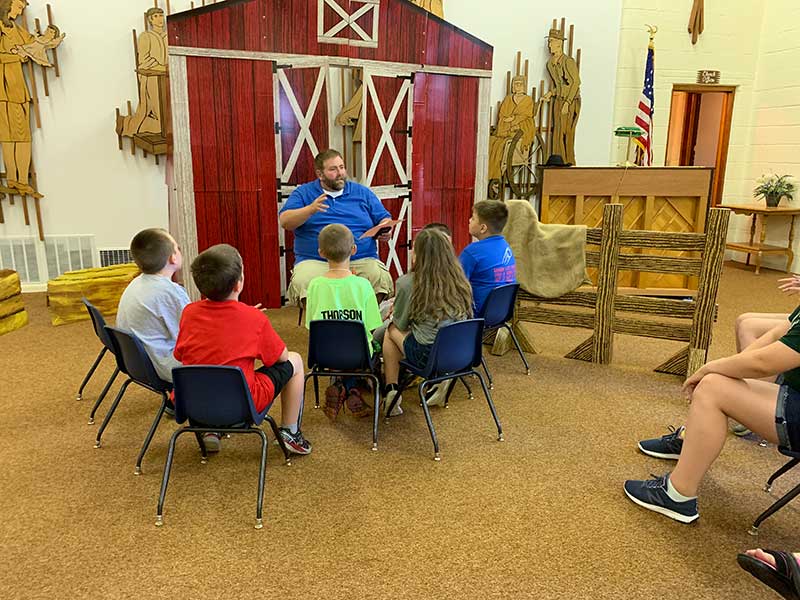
x=392 y=353
x=716 y=398
x=751 y=326
x=292 y=394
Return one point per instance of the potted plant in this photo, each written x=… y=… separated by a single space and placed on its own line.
x=774 y=187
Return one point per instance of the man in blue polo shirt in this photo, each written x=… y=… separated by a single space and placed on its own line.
x=333 y=199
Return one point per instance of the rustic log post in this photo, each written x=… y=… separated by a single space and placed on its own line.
x=707 y=288
x=607 y=285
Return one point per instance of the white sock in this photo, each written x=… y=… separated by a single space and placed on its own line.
x=292 y=428
x=675 y=495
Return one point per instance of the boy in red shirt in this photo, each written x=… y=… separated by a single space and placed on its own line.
x=223 y=331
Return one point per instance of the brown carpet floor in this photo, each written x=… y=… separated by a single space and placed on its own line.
x=542 y=515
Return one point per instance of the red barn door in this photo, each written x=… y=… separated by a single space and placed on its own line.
x=233 y=160
x=445 y=147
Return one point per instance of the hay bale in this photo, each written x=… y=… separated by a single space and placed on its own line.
x=12 y=309
x=102 y=287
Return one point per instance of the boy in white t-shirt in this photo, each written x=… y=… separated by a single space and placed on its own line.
x=151 y=305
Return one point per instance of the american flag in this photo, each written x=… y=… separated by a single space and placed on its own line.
x=644 y=113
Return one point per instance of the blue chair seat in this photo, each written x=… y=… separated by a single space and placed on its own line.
x=498 y=313
x=99 y=325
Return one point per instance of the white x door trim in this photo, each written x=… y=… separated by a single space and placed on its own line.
x=303 y=119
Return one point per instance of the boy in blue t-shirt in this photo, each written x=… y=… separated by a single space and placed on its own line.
x=489 y=262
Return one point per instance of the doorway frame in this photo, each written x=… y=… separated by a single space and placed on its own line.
x=718 y=179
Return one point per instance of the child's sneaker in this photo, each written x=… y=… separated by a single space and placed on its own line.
x=334 y=399
x=668 y=446
x=295 y=442
x=652 y=495
x=396 y=411
x=212 y=442
x=439 y=393
x=356 y=405
x=739 y=430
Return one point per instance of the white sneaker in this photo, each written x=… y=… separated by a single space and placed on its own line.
x=439 y=393
x=397 y=410
x=212 y=442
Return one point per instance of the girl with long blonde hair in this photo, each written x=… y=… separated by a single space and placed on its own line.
x=434 y=294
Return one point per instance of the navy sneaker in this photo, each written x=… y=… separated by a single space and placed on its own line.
x=668 y=446
x=295 y=442
x=652 y=495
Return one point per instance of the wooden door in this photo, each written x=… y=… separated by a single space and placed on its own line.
x=233 y=161
x=445 y=150
x=301 y=132
x=386 y=152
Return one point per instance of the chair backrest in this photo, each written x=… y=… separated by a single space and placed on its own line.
x=457 y=347
x=213 y=396
x=132 y=359
x=338 y=345
x=99 y=324
x=499 y=305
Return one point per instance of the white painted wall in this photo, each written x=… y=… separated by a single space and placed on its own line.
x=522 y=25
x=775 y=140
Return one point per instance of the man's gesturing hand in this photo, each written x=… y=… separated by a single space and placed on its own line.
x=318 y=205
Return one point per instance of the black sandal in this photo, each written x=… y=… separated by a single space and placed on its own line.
x=784 y=578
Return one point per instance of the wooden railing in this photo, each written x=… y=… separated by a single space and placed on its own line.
x=678 y=320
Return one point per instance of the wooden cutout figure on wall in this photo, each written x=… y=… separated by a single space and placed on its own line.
x=516 y=114
x=565 y=95
x=19 y=47
x=146 y=128
x=697 y=20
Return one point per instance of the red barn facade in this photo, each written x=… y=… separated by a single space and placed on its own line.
x=252 y=104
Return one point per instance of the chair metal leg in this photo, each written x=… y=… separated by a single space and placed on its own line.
x=150 y=434
x=519 y=349
x=102 y=395
x=783 y=501
x=376 y=409
x=91 y=372
x=165 y=478
x=780 y=472
x=466 y=385
x=488 y=374
x=110 y=412
x=316 y=391
x=450 y=385
x=274 y=426
x=401 y=387
x=486 y=393
x=261 y=477
x=202 y=445
x=422 y=388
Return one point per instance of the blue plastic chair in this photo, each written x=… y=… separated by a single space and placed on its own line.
x=133 y=361
x=338 y=348
x=456 y=353
x=786 y=498
x=498 y=313
x=216 y=399
x=99 y=324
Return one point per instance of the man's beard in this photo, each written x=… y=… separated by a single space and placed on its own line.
x=334 y=184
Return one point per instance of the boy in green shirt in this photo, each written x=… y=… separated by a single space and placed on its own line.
x=340 y=295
